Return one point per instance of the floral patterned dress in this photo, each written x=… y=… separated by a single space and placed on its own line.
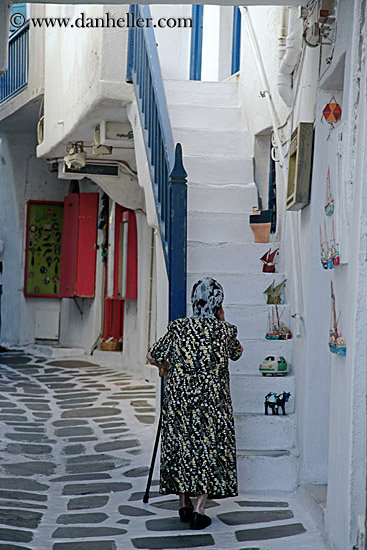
x=198 y=451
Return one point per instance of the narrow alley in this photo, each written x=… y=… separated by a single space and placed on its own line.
x=76 y=442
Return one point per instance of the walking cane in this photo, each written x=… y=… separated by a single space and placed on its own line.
x=149 y=482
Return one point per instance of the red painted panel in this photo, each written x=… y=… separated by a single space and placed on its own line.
x=113 y=319
x=69 y=250
x=86 y=263
x=132 y=259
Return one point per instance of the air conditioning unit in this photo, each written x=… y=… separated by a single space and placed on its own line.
x=116 y=134
x=107 y=169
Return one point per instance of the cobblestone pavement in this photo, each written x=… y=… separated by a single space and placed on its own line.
x=76 y=441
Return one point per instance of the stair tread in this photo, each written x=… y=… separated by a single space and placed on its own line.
x=274 y=453
x=262 y=378
x=270 y=415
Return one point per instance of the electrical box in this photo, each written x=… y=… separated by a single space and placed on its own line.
x=78 y=254
x=299 y=167
x=116 y=134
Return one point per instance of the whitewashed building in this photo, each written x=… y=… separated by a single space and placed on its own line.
x=234 y=89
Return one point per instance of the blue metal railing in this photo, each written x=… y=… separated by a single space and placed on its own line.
x=15 y=79
x=236 y=41
x=168 y=175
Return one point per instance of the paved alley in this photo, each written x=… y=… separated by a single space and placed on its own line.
x=76 y=442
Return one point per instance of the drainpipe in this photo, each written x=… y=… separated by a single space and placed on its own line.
x=284 y=168
x=5 y=11
x=290 y=48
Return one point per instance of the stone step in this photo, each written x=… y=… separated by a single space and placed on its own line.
x=201 y=92
x=239 y=288
x=265 y=432
x=206 y=116
x=251 y=321
x=219 y=169
x=248 y=392
x=212 y=142
x=108 y=358
x=223 y=256
x=214 y=226
x=55 y=351
x=224 y=198
x=313 y=498
x=267 y=470
x=256 y=350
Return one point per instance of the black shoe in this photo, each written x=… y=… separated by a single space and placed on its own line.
x=185 y=514
x=199 y=521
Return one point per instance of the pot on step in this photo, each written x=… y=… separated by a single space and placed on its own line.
x=260 y=223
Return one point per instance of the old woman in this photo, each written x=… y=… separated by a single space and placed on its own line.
x=198 y=452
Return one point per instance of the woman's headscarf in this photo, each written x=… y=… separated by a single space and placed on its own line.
x=206 y=298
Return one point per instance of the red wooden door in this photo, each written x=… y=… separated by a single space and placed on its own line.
x=78 y=255
x=69 y=251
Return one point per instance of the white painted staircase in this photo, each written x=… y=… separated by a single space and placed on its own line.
x=207 y=120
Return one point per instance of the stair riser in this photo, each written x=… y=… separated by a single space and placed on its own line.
x=217 y=198
x=199 y=116
x=209 y=228
x=265 y=433
x=251 y=321
x=211 y=142
x=203 y=93
x=240 y=289
x=255 y=352
x=259 y=473
x=225 y=257
x=219 y=170
x=248 y=393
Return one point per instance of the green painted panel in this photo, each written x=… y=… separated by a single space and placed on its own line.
x=43 y=249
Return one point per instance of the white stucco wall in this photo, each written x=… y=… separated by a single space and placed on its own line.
x=22 y=177
x=85 y=77
x=330 y=390
x=217 y=43
x=173 y=43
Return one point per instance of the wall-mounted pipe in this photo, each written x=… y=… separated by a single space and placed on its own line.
x=289 y=55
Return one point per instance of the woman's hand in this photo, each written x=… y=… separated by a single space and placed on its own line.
x=163 y=367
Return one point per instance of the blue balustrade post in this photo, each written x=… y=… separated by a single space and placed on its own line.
x=177 y=238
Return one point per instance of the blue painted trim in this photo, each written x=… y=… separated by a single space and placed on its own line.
x=178 y=238
x=165 y=162
x=15 y=79
x=196 y=42
x=236 y=40
x=130 y=51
